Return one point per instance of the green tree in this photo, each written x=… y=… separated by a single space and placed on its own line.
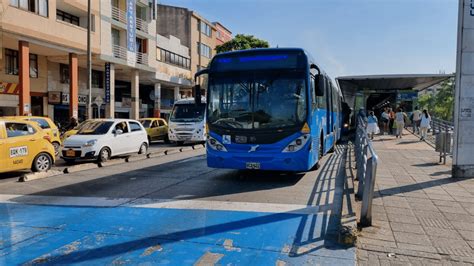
x=441 y=104
x=242 y=42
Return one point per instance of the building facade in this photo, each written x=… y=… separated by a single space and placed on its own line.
x=223 y=35
x=143 y=57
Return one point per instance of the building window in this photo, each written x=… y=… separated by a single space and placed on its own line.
x=218 y=34
x=172 y=58
x=11 y=62
x=205 y=28
x=204 y=50
x=39 y=7
x=69 y=18
x=97 y=79
x=116 y=37
x=33 y=66
x=64 y=73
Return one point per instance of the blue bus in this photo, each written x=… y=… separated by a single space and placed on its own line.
x=269 y=109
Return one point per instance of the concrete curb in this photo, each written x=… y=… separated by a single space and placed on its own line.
x=136 y=158
x=80 y=167
x=39 y=175
x=112 y=162
x=173 y=151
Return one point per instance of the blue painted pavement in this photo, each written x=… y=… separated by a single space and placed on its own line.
x=46 y=234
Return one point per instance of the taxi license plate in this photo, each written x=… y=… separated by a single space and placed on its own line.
x=70 y=153
x=251 y=165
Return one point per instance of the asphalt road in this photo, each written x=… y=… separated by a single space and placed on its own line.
x=175 y=210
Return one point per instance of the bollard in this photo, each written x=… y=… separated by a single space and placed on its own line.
x=366 y=210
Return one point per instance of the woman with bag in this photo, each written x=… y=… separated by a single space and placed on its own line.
x=372 y=127
x=424 y=124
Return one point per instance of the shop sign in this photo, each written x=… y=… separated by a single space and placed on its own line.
x=131 y=33
x=82 y=99
x=54 y=97
x=107 y=82
x=9 y=88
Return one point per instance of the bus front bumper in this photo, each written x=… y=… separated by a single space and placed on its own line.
x=291 y=161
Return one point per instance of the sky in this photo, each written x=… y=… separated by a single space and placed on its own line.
x=348 y=37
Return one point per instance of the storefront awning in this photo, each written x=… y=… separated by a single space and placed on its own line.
x=9 y=88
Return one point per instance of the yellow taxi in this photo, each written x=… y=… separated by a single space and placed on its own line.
x=24 y=145
x=73 y=131
x=156 y=129
x=48 y=126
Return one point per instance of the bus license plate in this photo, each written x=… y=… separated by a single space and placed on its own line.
x=253 y=166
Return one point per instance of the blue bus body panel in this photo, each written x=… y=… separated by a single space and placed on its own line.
x=269 y=156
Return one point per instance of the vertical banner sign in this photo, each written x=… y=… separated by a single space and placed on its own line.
x=131 y=33
x=107 y=82
x=463 y=164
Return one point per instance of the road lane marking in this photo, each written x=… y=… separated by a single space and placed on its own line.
x=195 y=204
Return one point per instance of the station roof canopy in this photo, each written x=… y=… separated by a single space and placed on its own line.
x=381 y=83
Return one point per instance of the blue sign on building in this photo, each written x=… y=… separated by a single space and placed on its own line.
x=131 y=32
x=107 y=82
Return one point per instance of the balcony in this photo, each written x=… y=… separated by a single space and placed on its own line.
x=121 y=52
x=142 y=25
x=142 y=58
x=119 y=15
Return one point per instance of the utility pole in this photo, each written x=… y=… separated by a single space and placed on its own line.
x=89 y=60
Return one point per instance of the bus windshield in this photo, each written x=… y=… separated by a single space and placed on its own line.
x=257 y=100
x=188 y=112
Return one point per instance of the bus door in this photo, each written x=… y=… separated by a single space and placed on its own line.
x=329 y=117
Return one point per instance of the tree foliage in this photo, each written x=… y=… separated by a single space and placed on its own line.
x=441 y=104
x=242 y=42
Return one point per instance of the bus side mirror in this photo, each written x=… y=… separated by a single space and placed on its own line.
x=197 y=93
x=320 y=85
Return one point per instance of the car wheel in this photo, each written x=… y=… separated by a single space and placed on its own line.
x=42 y=163
x=143 y=148
x=56 y=146
x=104 y=155
x=180 y=143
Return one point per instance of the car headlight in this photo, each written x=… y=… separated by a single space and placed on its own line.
x=215 y=144
x=297 y=144
x=90 y=143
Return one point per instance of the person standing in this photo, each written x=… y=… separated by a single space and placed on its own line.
x=424 y=124
x=385 y=117
x=391 y=120
x=372 y=125
x=416 y=120
x=400 y=120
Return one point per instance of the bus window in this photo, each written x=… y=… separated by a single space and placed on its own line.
x=322 y=100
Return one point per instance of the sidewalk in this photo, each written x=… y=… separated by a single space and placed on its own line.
x=421 y=215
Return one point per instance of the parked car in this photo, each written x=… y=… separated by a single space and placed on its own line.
x=102 y=139
x=74 y=131
x=48 y=126
x=156 y=128
x=24 y=145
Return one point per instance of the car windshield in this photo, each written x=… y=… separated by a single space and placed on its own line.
x=266 y=100
x=95 y=128
x=188 y=112
x=146 y=123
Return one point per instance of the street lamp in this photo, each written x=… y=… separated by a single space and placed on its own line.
x=89 y=60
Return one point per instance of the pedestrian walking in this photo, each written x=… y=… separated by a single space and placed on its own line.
x=400 y=121
x=391 y=121
x=416 y=120
x=385 y=117
x=372 y=125
x=424 y=124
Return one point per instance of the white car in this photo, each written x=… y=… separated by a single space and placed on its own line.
x=104 y=138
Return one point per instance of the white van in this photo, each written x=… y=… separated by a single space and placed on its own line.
x=187 y=121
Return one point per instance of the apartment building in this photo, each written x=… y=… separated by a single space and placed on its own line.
x=43 y=59
x=223 y=34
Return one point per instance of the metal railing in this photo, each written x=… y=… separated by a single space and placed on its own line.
x=119 y=15
x=441 y=143
x=119 y=51
x=366 y=164
x=142 y=25
x=142 y=58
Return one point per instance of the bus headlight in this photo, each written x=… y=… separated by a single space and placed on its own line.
x=215 y=144
x=297 y=144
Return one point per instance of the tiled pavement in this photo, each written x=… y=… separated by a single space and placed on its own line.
x=421 y=215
